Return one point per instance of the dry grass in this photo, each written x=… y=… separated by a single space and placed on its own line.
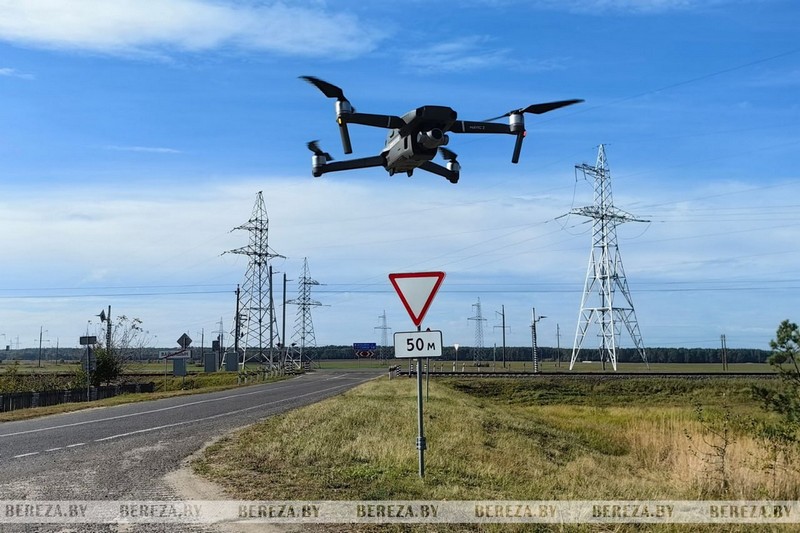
x=361 y=446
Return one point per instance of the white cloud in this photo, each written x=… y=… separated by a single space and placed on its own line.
x=630 y=6
x=13 y=73
x=144 y=149
x=155 y=26
x=473 y=53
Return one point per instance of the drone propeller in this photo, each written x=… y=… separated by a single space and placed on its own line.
x=343 y=107
x=537 y=109
x=516 y=120
x=452 y=164
x=448 y=155
x=328 y=89
x=314 y=147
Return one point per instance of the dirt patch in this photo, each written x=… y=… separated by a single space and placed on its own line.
x=190 y=486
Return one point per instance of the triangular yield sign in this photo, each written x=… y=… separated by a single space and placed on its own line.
x=416 y=291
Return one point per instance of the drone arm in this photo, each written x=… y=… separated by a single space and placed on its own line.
x=516 y=126
x=378 y=121
x=336 y=166
x=439 y=170
x=466 y=126
x=346 y=145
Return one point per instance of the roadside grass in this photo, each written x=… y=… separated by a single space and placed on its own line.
x=193 y=384
x=503 y=445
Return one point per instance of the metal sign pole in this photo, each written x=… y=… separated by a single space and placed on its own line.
x=421 y=434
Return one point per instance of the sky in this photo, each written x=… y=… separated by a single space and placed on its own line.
x=136 y=134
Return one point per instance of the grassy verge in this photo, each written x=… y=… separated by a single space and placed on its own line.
x=505 y=440
x=193 y=384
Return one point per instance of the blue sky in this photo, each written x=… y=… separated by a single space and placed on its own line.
x=135 y=135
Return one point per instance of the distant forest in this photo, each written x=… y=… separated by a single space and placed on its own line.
x=465 y=353
x=624 y=355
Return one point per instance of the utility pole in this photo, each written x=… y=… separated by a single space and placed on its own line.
x=237 y=324
x=502 y=314
x=384 y=336
x=534 y=320
x=558 y=343
x=40 y=346
x=202 y=346
x=724 y=342
x=108 y=332
x=285 y=354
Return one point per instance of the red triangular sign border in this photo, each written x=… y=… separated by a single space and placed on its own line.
x=417 y=319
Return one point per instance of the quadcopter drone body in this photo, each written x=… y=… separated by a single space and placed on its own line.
x=415 y=138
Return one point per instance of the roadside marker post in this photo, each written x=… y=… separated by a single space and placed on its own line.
x=416 y=291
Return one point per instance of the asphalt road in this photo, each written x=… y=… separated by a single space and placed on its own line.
x=123 y=452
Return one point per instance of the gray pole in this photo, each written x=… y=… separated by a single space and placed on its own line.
x=535 y=355
x=237 y=325
x=534 y=320
x=108 y=332
x=504 y=335
x=40 y=345
x=558 y=342
x=271 y=322
x=420 y=430
x=283 y=327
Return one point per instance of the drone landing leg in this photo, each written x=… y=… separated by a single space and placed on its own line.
x=439 y=170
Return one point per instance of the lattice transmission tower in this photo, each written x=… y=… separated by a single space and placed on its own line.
x=255 y=327
x=605 y=274
x=479 y=320
x=303 y=336
x=384 y=336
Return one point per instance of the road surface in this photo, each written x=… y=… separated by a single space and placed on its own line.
x=124 y=452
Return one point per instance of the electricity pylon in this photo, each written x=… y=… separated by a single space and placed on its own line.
x=384 y=336
x=303 y=326
x=256 y=328
x=479 y=320
x=605 y=274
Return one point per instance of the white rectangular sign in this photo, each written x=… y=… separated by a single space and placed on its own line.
x=418 y=344
x=180 y=354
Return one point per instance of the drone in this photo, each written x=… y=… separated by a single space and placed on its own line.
x=415 y=138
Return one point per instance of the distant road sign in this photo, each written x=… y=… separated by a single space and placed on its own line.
x=364 y=346
x=184 y=341
x=416 y=291
x=418 y=344
x=88 y=340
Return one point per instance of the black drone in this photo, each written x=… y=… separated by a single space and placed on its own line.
x=415 y=138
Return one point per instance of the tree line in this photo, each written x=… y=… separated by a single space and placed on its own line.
x=544 y=353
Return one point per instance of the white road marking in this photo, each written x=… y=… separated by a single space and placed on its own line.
x=55 y=449
x=76 y=445
x=184 y=422
x=25 y=455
